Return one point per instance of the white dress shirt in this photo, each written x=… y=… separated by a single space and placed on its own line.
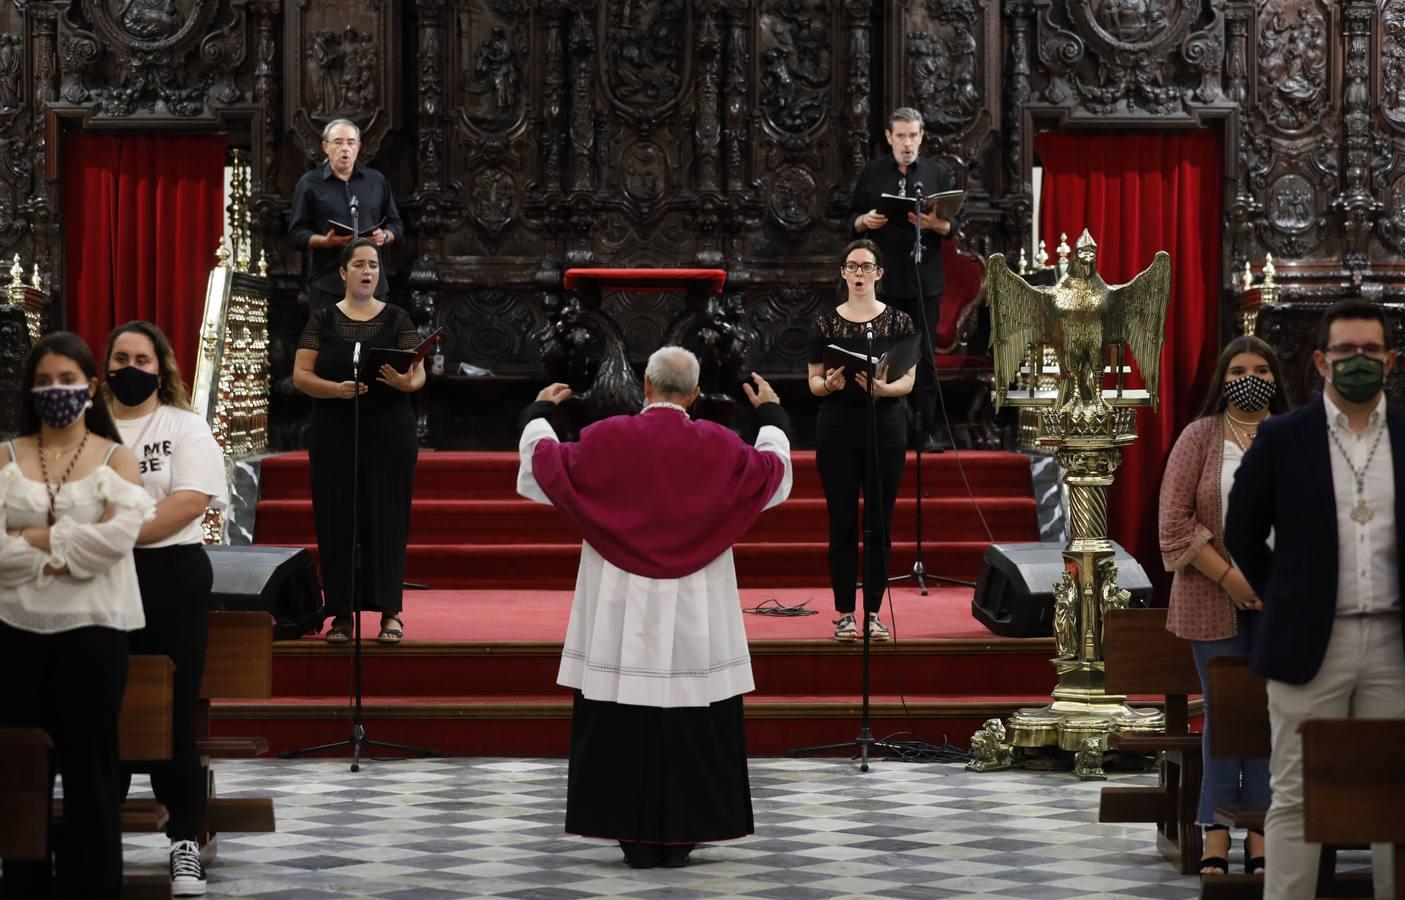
x=1367 y=568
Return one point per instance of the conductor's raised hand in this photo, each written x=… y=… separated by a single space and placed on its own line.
x=762 y=393
x=401 y=382
x=554 y=392
x=348 y=389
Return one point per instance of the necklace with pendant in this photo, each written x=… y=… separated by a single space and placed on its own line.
x=1243 y=439
x=1362 y=511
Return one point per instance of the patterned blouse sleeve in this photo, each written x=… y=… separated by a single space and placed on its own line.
x=1182 y=534
x=311 y=334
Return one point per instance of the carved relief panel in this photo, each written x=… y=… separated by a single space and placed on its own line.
x=14 y=138
x=153 y=58
x=950 y=52
x=339 y=63
x=1131 y=57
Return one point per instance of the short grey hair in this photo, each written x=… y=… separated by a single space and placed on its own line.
x=673 y=371
x=904 y=114
x=327 y=129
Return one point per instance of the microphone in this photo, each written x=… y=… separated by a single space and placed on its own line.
x=355 y=217
x=868 y=332
x=917 y=186
x=356 y=356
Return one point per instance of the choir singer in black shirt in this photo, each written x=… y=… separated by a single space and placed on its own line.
x=901 y=172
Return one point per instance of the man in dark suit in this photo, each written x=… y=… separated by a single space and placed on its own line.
x=1328 y=480
x=901 y=172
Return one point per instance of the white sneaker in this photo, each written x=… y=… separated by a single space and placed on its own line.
x=187 y=873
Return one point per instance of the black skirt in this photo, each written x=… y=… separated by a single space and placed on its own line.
x=658 y=776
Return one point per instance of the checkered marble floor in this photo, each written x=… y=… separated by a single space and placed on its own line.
x=432 y=829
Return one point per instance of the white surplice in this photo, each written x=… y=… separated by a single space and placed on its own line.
x=661 y=642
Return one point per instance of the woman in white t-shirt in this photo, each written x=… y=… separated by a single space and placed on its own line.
x=183 y=470
x=71 y=506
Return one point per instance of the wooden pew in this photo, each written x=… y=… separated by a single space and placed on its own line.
x=1353 y=787
x=1142 y=657
x=238 y=664
x=25 y=789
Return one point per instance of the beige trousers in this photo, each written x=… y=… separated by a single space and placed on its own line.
x=1363 y=677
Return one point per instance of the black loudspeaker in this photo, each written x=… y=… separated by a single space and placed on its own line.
x=1015 y=593
x=281 y=581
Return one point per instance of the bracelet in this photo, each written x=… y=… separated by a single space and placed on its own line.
x=1220 y=581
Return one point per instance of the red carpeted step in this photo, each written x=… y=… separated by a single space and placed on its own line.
x=539 y=725
x=819 y=668
x=520 y=522
x=553 y=566
x=493 y=475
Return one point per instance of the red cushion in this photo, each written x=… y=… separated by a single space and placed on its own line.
x=645 y=279
x=963 y=285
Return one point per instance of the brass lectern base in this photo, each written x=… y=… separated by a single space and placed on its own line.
x=1082 y=729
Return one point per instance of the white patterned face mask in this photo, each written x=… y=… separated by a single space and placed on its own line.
x=1250 y=392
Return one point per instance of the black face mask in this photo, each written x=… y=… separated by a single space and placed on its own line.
x=131 y=386
x=1250 y=392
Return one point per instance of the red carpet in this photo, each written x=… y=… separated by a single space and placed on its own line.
x=476 y=673
x=469 y=530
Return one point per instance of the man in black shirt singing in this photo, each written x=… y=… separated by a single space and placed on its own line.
x=901 y=172
x=322 y=220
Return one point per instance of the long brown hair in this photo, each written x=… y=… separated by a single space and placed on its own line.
x=171 y=391
x=1215 y=401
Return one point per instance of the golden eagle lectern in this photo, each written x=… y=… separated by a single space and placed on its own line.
x=1091 y=326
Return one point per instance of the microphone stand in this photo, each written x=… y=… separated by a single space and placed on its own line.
x=864 y=742
x=358 y=740
x=919 y=571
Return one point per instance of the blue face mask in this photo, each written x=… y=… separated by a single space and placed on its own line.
x=60 y=405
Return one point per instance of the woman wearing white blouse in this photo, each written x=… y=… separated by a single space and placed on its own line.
x=71 y=506
x=182 y=468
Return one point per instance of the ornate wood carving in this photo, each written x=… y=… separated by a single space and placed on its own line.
x=339 y=62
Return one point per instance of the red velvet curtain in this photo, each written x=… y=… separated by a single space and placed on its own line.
x=142 y=216
x=1137 y=194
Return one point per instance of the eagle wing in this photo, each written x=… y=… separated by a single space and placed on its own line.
x=1136 y=317
x=1020 y=315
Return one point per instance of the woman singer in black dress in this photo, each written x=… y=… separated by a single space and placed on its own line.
x=388 y=449
x=844 y=437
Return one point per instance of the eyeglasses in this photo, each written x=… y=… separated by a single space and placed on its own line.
x=344 y=142
x=855 y=268
x=1353 y=349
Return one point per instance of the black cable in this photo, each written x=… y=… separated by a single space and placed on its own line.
x=774 y=607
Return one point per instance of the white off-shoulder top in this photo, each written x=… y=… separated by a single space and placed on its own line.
x=100 y=587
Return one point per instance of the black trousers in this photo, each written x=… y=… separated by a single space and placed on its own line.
x=844 y=472
x=175 y=593
x=924 y=392
x=70 y=684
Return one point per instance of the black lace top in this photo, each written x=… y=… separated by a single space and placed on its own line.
x=843 y=417
x=349 y=329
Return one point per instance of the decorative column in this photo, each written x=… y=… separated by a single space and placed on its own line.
x=707 y=129
x=1358 y=207
x=858 y=13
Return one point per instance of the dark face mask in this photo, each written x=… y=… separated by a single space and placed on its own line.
x=1358 y=378
x=1250 y=392
x=131 y=386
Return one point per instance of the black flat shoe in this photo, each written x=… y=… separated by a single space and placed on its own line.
x=675 y=856
x=640 y=856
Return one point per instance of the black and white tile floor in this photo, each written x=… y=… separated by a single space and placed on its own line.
x=432 y=829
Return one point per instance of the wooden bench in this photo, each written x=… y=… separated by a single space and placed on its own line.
x=1141 y=657
x=1353 y=788
x=238 y=665
x=25 y=788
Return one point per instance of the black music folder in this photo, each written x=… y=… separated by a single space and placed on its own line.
x=899 y=358
x=399 y=360
x=896 y=207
